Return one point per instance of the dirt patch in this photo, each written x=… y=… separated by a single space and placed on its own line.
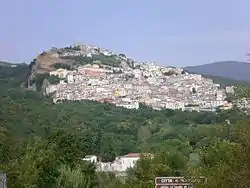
x=46 y=62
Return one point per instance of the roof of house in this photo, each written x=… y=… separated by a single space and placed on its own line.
x=89 y=156
x=132 y=155
x=138 y=155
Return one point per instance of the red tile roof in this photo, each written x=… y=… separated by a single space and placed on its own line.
x=133 y=155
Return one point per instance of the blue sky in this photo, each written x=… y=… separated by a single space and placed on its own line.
x=177 y=32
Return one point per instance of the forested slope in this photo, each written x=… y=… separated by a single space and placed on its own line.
x=41 y=142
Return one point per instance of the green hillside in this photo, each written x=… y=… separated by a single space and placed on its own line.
x=226 y=81
x=12 y=74
x=41 y=143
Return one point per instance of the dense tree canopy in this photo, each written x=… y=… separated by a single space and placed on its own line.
x=41 y=143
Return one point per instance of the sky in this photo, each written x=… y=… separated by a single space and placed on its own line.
x=177 y=32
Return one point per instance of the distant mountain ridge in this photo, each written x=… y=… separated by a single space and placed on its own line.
x=235 y=70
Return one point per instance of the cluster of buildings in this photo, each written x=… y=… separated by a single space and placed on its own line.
x=80 y=50
x=155 y=86
x=120 y=165
x=131 y=84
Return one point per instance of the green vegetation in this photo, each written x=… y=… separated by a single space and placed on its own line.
x=169 y=73
x=62 y=66
x=41 y=143
x=105 y=60
x=53 y=79
x=226 y=81
x=12 y=76
x=242 y=91
x=80 y=60
x=39 y=80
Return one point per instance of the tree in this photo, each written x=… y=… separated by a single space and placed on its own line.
x=62 y=66
x=68 y=146
x=223 y=166
x=5 y=147
x=78 y=177
x=38 y=166
x=53 y=79
x=170 y=163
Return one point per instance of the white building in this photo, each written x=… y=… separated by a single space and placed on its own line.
x=128 y=86
x=132 y=105
x=137 y=73
x=128 y=161
x=70 y=78
x=175 y=105
x=106 y=53
x=217 y=103
x=230 y=89
x=121 y=164
x=51 y=89
x=219 y=95
x=61 y=73
x=90 y=158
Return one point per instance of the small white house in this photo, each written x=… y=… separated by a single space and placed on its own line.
x=70 y=78
x=230 y=89
x=128 y=161
x=61 y=73
x=120 y=164
x=137 y=73
x=132 y=105
x=90 y=158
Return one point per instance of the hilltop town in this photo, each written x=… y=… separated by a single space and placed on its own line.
x=99 y=75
